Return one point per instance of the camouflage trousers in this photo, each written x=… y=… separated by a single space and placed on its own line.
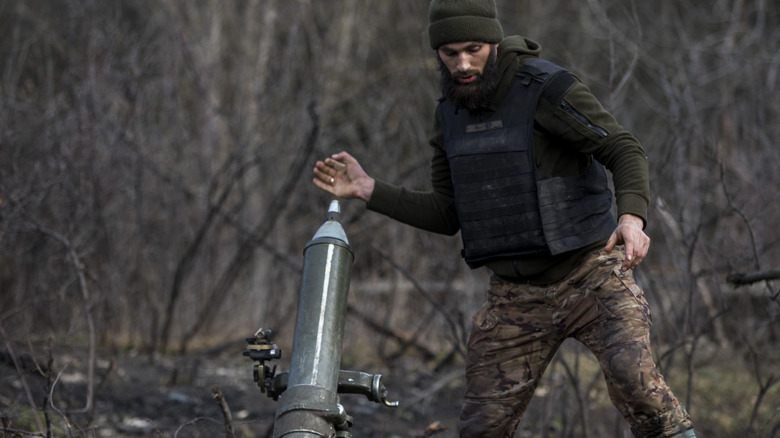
x=520 y=327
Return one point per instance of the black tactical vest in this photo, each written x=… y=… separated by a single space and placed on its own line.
x=505 y=206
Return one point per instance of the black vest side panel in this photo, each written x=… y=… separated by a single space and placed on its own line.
x=576 y=210
x=504 y=206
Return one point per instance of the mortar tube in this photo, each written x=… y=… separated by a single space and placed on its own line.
x=310 y=406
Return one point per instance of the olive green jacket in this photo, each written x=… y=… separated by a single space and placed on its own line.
x=563 y=144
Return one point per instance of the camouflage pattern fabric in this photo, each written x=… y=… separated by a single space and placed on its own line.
x=520 y=327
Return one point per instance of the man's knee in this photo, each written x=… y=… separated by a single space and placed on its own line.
x=489 y=418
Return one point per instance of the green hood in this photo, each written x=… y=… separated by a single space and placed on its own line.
x=512 y=52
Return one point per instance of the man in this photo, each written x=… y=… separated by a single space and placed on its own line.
x=519 y=145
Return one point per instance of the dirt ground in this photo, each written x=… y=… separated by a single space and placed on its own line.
x=173 y=397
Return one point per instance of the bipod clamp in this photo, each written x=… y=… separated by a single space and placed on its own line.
x=261 y=349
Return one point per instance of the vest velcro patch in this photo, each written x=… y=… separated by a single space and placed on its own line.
x=481 y=127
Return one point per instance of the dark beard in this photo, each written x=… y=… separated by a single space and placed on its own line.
x=474 y=96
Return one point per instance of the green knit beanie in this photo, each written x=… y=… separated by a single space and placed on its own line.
x=456 y=21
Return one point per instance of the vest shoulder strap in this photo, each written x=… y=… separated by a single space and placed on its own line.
x=558 y=80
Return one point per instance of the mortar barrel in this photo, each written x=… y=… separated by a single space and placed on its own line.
x=309 y=407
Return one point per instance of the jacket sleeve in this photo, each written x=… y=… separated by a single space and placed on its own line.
x=579 y=121
x=428 y=210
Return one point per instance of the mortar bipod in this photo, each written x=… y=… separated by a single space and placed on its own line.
x=261 y=349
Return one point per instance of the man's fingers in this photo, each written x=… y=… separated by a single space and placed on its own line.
x=632 y=259
x=337 y=165
x=342 y=156
x=630 y=251
x=635 y=253
x=319 y=183
x=322 y=174
x=613 y=239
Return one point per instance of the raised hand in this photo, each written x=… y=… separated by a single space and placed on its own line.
x=341 y=175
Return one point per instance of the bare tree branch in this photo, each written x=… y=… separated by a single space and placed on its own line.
x=246 y=250
x=456 y=331
x=745 y=278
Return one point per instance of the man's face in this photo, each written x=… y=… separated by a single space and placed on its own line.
x=465 y=61
x=468 y=71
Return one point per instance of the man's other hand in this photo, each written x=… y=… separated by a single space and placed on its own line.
x=629 y=233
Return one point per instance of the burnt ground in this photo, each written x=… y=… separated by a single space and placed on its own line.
x=173 y=397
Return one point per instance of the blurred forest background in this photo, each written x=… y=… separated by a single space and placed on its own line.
x=155 y=194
